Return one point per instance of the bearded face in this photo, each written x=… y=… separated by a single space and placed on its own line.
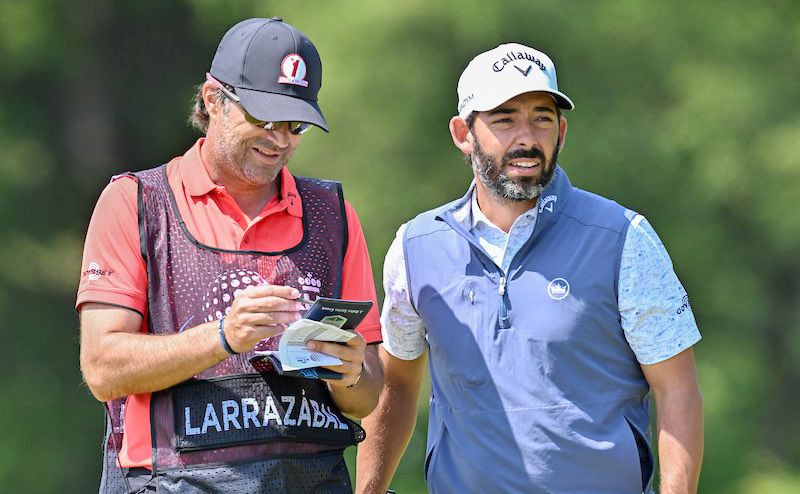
x=514 y=146
x=246 y=153
x=498 y=180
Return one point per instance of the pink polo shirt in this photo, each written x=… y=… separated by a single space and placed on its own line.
x=114 y=273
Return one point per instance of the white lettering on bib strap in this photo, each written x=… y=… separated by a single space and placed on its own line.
x=244 y=414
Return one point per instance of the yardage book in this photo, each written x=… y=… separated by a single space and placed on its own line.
x=328 y=319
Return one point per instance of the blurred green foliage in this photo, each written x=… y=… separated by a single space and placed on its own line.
x=686 y=111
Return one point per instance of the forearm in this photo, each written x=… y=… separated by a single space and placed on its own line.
x=389 y=430
x=117 y=360
x=680 y=439
x=360 y=399
x=124 y=363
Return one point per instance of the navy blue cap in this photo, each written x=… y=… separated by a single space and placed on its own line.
x=275 y=70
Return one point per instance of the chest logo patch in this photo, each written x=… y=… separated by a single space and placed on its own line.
x=310 y=285
x=558 y=289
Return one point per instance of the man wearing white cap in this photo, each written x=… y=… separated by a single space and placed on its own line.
x=192 y=266
x=548 y=315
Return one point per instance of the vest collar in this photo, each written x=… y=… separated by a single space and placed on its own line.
x=553 y=200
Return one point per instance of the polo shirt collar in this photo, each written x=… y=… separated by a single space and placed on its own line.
x=194 y=174
x=197 y=181
x=470 y=216
x=478 y=218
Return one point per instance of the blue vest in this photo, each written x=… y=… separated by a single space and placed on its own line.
x=534 y=387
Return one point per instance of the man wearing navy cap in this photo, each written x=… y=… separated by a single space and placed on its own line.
x=548 y=314
x=192 y=266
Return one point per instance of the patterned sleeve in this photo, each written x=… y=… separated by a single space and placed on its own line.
x=402 y=328
x=656 y=315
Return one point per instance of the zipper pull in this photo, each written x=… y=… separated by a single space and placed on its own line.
x=502 y=288
x=471 y=296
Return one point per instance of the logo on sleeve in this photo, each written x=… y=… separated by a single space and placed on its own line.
x=293 y=70
x=94 y=271
x=558 y=289
x=686 y=306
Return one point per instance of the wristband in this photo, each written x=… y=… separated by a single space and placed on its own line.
x=223 y=340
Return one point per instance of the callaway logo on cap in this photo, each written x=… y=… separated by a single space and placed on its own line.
x=497 y=75
x=274 y=69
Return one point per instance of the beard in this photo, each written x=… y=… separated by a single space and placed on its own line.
x=506 y=188
x=233 y=156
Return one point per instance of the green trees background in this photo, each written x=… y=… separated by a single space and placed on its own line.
x=687 y=111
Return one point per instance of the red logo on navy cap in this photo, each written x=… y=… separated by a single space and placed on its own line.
x=293 y=70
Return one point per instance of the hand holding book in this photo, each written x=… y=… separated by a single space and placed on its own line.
x=328 y=320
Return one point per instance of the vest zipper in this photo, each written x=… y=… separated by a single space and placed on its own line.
x=505 y=321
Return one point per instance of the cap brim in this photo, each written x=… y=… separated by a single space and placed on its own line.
x=562 y=101
x=272 y=107
x=496 y=99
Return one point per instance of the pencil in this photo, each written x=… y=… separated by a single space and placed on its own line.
x=304 y=300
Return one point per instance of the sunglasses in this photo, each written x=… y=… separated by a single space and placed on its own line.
x=295 y=128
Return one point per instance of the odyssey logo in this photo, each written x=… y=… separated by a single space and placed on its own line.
x=94 y=272
x=686 y=306
x=558 y=289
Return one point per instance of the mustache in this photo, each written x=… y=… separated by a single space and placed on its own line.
x=525 y=153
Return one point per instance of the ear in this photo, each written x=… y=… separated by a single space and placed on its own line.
x=562 y=132
x=210 y=99
x=461 y=135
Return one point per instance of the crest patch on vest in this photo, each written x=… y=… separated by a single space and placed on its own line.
x=558 y=289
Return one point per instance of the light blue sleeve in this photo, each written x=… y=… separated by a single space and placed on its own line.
x=654 y=307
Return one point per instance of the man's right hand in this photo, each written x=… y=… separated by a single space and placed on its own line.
x=259 y=312
x=117 y=360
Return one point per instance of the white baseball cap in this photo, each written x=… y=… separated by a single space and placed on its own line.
x=497 y=75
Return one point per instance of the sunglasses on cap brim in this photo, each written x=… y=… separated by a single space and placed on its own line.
x=295 y=128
